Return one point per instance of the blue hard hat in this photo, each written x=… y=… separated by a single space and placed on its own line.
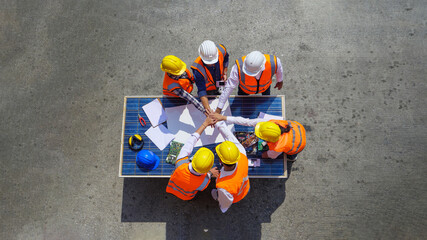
x=147 y=159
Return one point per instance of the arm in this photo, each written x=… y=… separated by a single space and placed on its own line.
x=205 y=103
x=200 y=83
x=279 y=75
x=229 y=136
x=225 y=199
x=187 y=96
x=230 y=85
x=271 y=154
x=187 y=149
x=237 y=120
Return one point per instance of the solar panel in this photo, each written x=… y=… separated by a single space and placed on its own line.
x=245 y=106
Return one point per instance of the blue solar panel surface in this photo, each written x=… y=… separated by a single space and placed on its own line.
x=245 y=106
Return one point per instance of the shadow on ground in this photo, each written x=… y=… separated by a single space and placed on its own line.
x=145 y=200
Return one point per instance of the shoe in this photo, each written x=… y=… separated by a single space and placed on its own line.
x=214 y=194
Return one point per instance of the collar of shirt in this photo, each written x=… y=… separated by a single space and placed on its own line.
x=190 y=167
x=227 y=173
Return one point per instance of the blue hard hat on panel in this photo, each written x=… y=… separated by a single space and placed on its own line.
x=147 y=159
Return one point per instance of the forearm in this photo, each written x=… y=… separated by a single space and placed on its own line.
x=244 y=121
x=202 y=128
x=205 y=102
x=187 y=149
x=229 y=136
x=279 y=74
x=190 y=98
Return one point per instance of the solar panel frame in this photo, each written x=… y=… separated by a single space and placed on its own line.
x=244 y=106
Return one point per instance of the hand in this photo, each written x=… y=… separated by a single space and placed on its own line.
x=209 y=122
x=208 y=111
x=224 y=77
x=215 y=172
x=279 y=85
x=217 y=116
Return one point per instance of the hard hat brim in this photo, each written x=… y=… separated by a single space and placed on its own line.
x=213 y=61
x=253 y=74
x=184 y=66
x=258 y=132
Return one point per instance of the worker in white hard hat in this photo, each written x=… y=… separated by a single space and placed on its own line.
x=190 y=177
x=178 y=81
x=253 y=74
x=232 y=184
x=282 y=136
x=210 y=70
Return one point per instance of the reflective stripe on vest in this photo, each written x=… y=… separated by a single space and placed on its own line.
x=245 y=81
x=182 y=191
x=291 y=142
x=204 y=183
x=293 y=137
x=244 y=183
x=181 y=161
x=300 y=142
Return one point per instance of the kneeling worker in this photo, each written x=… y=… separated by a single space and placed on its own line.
x=282 y=136
x=233 y=181
x=191 y=177
x=178 y=81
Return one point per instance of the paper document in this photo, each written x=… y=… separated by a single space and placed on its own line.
x=155 y=112
x=269 y=116
x=184 y=121
x=160 y=136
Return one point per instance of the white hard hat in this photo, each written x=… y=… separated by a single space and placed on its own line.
x=208 y=52
x=254 y=63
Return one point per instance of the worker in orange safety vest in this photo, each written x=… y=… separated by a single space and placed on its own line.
x=210 y=70
x=233 y=180
x=282 y=136
x=190 y=177
x=178 y=81
x=253 y=74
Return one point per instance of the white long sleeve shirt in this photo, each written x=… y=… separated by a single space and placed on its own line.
x=225 y=198
x=233 y=81
x=251 y=123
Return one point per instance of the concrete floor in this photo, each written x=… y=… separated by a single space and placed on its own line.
x=355 y=75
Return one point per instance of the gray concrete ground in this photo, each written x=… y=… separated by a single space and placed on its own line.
x=355 y=75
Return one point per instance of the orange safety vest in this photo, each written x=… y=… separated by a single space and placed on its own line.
x=291 y=142
x=199 y=66
x=236 y=184
x=251 y=85
x=183 y=183
x=170 y=84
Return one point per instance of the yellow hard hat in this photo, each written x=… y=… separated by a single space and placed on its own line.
x=228 y=152
x=203 y=160
x=268 y=131
x=173 y=65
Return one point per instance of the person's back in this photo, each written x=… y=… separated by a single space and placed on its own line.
x=237 y=183
x=183 y=183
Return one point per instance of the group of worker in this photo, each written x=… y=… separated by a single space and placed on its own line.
x=253 y=74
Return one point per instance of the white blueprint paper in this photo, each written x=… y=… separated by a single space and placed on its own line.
x=155 y=112
x=184 y=121
x=160 y=136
